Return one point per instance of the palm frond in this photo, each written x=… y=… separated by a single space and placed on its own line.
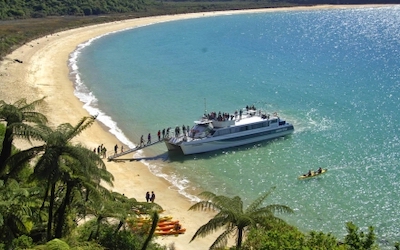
x=23 y=105
x=257 y=203
x=210 y=227
x=203 y=206
x=274 y=208
x=83 y=124
x=28 y=132
x=207 y=195
x=222 y=240
x=17 y=161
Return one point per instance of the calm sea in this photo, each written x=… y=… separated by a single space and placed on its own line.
x=334 y=74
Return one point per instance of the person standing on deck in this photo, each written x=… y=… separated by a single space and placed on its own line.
x=184 y=130
x=141 y=141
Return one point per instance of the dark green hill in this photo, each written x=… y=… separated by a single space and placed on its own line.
x=21 y=9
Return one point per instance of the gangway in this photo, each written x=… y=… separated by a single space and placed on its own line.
x=115 y=156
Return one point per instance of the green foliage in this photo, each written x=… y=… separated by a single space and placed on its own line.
x=19 y=118
x=57 y=244
x=15 y=211
x=356 y=240
x=22 y=242
x=111 y=239
x=280 y=236
x=2 y=131
x=234 y=218
x=35 y=8
x=321 y=241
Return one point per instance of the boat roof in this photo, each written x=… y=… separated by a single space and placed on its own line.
x=251 y=120
x=203 y=122
x=245 y=120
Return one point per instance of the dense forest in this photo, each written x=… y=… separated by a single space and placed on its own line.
x=13 y=9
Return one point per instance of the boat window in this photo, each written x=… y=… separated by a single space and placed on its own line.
x=274 y=121
x=224 y=131
x=257 y=125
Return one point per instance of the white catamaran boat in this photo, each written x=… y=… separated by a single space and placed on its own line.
x=214 y=132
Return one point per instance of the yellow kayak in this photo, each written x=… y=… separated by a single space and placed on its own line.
x=313 y=174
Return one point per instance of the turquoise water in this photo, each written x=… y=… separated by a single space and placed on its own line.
x=334 y=74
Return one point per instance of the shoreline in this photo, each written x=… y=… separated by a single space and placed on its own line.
x=45 y=72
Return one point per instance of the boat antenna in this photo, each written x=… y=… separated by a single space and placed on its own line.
x=205 y=106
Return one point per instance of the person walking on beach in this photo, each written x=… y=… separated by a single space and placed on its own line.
x=116 y=149
x=149 y=139
x=153 y=197
x=159 y=135
x=163 y=133
x=122 y=148
x=147 y=196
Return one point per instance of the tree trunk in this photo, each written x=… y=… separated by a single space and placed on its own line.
x=154 y=218
x=62 y=210
x=121 y=223
x=5 y=151
x=239 y=238
x=50 y=212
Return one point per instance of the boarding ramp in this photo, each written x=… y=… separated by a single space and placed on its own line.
x=115 y=157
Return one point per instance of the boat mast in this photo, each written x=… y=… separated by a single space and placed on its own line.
x=205 y=106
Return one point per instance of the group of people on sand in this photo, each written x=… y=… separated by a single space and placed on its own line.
x=150 y=198
x=101 y=151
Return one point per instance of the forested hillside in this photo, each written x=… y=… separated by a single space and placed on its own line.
x=17 y=9
x=43 y=8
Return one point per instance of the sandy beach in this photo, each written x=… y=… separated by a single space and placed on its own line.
x=44 y=72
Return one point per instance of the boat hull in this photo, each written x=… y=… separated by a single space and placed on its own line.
x=221 y=142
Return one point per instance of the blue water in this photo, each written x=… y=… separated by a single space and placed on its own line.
x=334 y=74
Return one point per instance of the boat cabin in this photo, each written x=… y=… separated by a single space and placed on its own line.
x=215 y=128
